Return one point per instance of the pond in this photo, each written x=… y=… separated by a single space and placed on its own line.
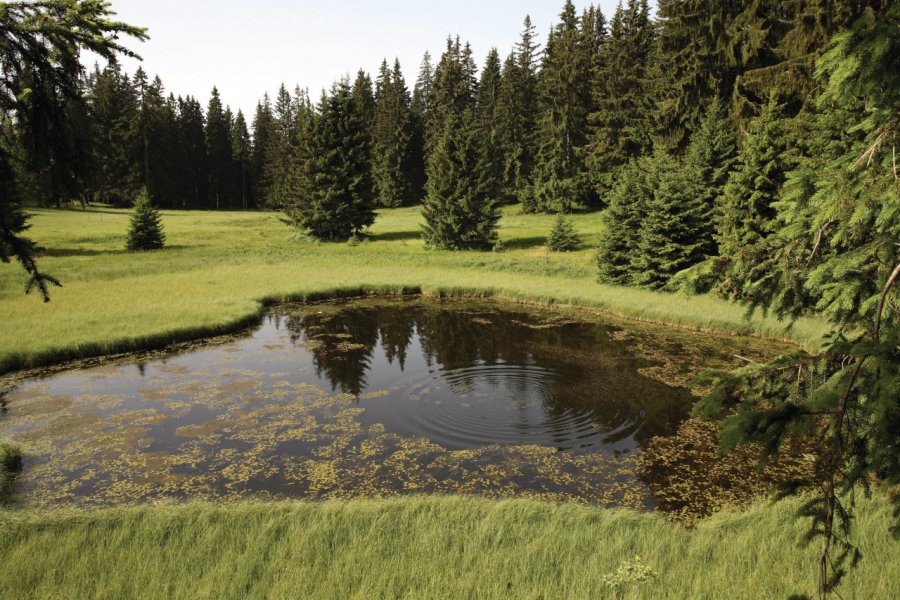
x=369 y=398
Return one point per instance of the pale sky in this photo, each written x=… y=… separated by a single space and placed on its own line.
x=247 y=48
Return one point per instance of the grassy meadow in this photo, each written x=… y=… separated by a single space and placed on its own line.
x=220 y=269
x=421 y=548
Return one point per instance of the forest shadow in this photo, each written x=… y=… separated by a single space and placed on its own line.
x=397 y=236
x=70 y=252
x=524 y=243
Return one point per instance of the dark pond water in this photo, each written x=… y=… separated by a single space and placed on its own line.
x=367 y=398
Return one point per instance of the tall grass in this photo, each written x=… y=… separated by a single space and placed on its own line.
x=420 y=548
x=221 y=269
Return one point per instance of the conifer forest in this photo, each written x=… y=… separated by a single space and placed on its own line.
x=679 y=220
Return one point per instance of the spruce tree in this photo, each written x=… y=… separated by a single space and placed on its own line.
x=747 y=213
x=218 y=151
x=330 y=191
x=145 y=230
x=279 y=149
x=623 y=222
x=711 y=156
x=263 y=126
x=241 y=156
x=517 y=107
x=486 y=112
x=834 y=252
x=672 y=236
x=364 y=98
x=392 y=134
x=623 y=95
x=194 y=160
x=692 y=65
x=560 y=178
x=563 y=237
x=117 y=145
x=460 y=210
x=420 y=110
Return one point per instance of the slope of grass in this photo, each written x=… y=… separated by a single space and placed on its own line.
x=420 y=548
x=221 y=268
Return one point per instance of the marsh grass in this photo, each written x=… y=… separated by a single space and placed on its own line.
x=10 y=466
x=221 y=270
x=438 y=547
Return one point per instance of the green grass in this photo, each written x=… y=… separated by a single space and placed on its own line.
x=10 y=466
x=420 y=548
x=221 y=269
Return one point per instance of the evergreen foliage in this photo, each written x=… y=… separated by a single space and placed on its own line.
x=40 y=76
x=748 y=204
x=263 y=125
x=711 y=156
x=692 y=68
x=460 y=210
x=623 y=220
x=516 y=114
x=832 y=249
x=560 y=181
x=218 y=151
x=672 y=233
x=331 y=186
x=241 y=157
x=145 y=230
x=563 y=237
x=486 y=112
x=393 y=169
x=622 y=95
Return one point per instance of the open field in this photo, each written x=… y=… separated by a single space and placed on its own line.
x=420 y=548
x=221 y=268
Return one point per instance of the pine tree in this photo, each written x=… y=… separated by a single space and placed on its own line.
x=330 y=192
x=672 y=236
x=279 y=150
x=563 y=237
x=517 y=113
x=194 y=160
x=747 y=213
x=486 y=112
x=623 y=95
x=116 y=143
x=560 y=177
x=392 y=133
x=459 y=209
x=623 y=222
x=241 y=156
x=711 y=155
x=692 y=66
x=145 y=230
x=218 y=149
x=263 y=125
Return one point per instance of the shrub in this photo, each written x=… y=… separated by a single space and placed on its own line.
x=10 y=465
x=145 y=231
x=562 y=237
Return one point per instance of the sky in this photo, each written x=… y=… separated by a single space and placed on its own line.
x=247 y=48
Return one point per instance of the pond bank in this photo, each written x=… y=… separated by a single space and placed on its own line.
x=438 y=547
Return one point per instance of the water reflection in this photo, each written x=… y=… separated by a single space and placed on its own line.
x=470 y=378
x=362 y=399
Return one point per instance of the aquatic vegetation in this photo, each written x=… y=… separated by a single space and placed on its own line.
x=370 y=398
